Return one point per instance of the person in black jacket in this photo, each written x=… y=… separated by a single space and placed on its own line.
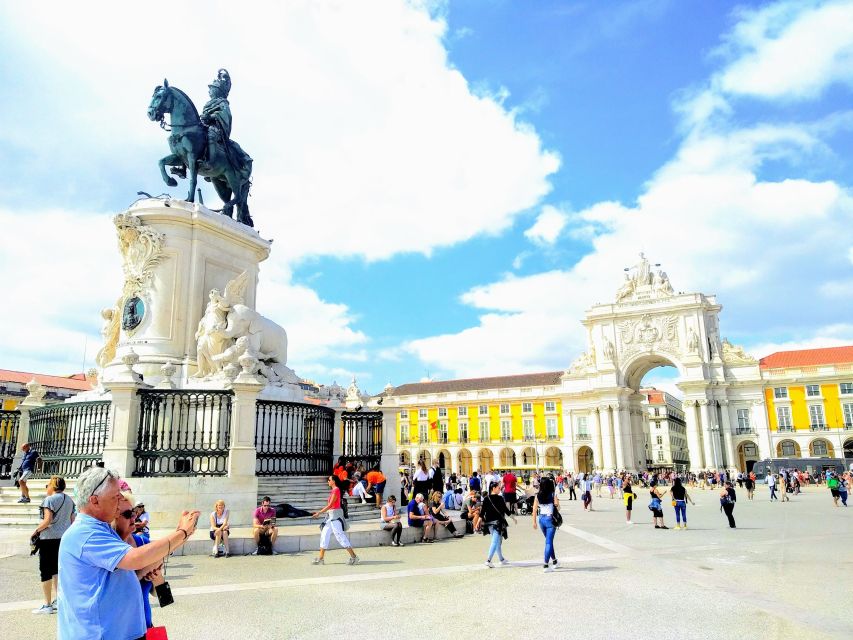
x=437 y=478
x=728 y=497
x=493 y=516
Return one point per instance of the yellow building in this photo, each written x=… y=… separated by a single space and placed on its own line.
x=482 y=423
x=809 y=400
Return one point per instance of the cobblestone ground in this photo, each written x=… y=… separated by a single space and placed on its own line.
x=785 y=572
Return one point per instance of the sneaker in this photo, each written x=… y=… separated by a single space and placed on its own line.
x=395 y=544
x=55 y=605
x=547 y=568
x=318 y=561
x=45 y=608
x=274 y=552
x=505 y=563
x=255 y=552
x=489 y=564
x=555 y=562
x=354 y=560
x=684 y=526
x=629 y=522
x=663 y=526
x=401 y=544
x=23 y=500
x=677 y=527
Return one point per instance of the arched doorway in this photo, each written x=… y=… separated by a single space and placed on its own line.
x=444 y=461
x=486 y=461
x=466 y=462
x=585 y=460
x=553 y=457
x=820 y=448
x=424 y=455
x=788 y=449
x=848 y=448
x=747 y=454
x=507 y=457
x=528 y=456
x=405 y=459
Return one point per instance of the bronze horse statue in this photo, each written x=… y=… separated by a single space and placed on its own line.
x=202 y=149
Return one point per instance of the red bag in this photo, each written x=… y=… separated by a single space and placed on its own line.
x=156 y=633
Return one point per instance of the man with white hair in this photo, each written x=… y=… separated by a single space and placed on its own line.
x=99 y=592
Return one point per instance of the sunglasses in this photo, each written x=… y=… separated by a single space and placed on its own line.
x=127 y=515
x=103 y=480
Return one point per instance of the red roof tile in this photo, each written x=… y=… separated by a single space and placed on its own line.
x=547 y=379
x=807 y=357
x=71 y=382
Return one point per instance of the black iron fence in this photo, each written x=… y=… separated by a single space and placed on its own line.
x=9 y=422
x=183 y=433
x=362 y=437
x=68 y=437
x=292 y=438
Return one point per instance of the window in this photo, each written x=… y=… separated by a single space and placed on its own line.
x=463 y=412
x=550 y=406
x=657 y=411
x=423 y=433
x=484 y=410
x=816 y=420
x=784 y=415
x=422 y=413
x=659 y=439
x=404 y=414
x=551 y=426
x=583 y=425
x=788 y=448
x=848 y=415
x=813 y=390
x=506 y=430
x=657 y=425
x=442 y=432
x=404 y=433
x=846 y=387
x=504 y=409
x=526 y=407
x=463 y=432
x=743 y=419
x=660 y=456
x=819 y=448
x=484 y=431
x=780 y=392
x=442 y=412
x=527 y=426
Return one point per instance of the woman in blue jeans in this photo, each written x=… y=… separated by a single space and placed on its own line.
x=679 y=500
x=493 y=516
x=543 y=510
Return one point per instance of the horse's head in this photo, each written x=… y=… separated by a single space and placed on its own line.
x=161 y=102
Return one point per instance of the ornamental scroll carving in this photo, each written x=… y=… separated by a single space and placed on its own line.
x=649 y=330
x=141 y=250
x=735 y=354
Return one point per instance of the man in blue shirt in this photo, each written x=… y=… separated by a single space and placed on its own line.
x=99 y=592
x=28 y=466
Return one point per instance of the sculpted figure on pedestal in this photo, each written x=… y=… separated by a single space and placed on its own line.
x=662 y=286
x=210 y=337
x=110 y=334
x=692 y=340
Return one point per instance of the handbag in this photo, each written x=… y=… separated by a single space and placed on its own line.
x=557 y=517
x=156 y=633
x=673 y=503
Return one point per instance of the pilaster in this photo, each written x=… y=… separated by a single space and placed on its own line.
x=728 y=431
x=34 y=400
x=242 y=455
x=609 y=445
x=597 y=442
x=390 y=463
x=694 y=441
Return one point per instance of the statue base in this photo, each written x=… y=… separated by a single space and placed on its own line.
x=174 y=252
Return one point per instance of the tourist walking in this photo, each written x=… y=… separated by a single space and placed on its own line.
x=679 y=501
x=493 y=516
x=749 y=483
x=628 y=497
x=405 y=488
x=544 y=505
x=832 y=484
x=57 y=512
x=728 y=497
x=770 y=480
x=586 y=496
x=335 y=523
x=27 y=468
x=571 y=482
x=390 y=520
x=842 y=488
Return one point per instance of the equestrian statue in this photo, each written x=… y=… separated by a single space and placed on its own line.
x=202 y=145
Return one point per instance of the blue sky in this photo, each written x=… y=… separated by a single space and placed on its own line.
x=449 y=185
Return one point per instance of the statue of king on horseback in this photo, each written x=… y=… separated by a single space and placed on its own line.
x=202 y=145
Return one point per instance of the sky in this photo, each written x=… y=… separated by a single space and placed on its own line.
x=449 y=185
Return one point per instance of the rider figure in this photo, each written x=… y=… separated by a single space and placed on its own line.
x=216 y=114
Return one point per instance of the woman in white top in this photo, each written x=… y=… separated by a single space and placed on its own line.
x=390 y=517
x=219 y=528
x=422 y=479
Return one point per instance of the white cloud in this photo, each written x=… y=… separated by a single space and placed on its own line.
x=835 y=335
x=549 y=223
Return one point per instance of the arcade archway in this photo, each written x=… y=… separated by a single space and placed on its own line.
x=405 y=459
x=444 y=461
x=821 y=448
x=528 y=456
x=466 y=462
x=788 y=449
x=486 y=461
x=586 y=462
x=554 y=457
x=507 y=457
x=425 y=455
x=747 y=453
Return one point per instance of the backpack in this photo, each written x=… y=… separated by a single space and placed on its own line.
x=264 y=546
x=344 y=508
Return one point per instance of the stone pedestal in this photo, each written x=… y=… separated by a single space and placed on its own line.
x=173 y=254
x=390 y=463
x=34 y=400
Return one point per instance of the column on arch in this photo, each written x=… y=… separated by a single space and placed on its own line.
x=620 y=427
x=694 y=440
x=598 y=452
x=727 y=428
x=708 y=436
x=609 y=445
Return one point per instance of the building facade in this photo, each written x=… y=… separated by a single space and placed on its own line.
x=667 y=431
x=593 y=415
x=13 y=387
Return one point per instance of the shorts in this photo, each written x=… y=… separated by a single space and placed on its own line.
x=379 y=488
x=835 y=493
x=510 y=497
x=629 y=503
x=24 y=475
x=48 y=559
x=213 y=533
x=657 y=513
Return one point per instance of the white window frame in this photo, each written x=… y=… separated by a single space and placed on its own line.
x=660 y=456
x=463 y=432
x=743 y=419
x=485 y=428
x=780 y=393
x=847 y=410
x=550 y=406
x=783 y=417
x=506 y=430
x=483 y=410
x=423 y=432
x=404 y=433
x=404 y=414
x=822 y=443
x=816 y=411
x=526 y=407
x=423 y=413
x=659 y=440
x=504 y=409
x=463 y=412
x=845 y=388
x=809 y=388
x=582 y=424
x=793 y=448
x=552 y=431
x=443 y=437
x=442 y=412
x=528 y=428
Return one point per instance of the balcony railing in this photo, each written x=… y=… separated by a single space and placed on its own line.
x=788 y=429
x=745 y=431
x=529 y=438
x=818 y=427
x=553 y=436
x=583 y=436
x=505 y=438
x=848 y=426
x=442 y=439
x=463 y=439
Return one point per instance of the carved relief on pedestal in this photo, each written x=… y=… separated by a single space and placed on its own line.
x=660 y=333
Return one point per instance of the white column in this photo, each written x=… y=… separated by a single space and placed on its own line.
x=34 y=400
x=124 y=417
x=596 y=441
x=609 y=459
x=711 y=446
x=242 y=455
x=694 y=441
x=619 y=428
x=728 y=431
x=389 y=464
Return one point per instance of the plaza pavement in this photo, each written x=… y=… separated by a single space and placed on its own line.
x=784 y=573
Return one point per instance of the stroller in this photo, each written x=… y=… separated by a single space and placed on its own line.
x=525 y=504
